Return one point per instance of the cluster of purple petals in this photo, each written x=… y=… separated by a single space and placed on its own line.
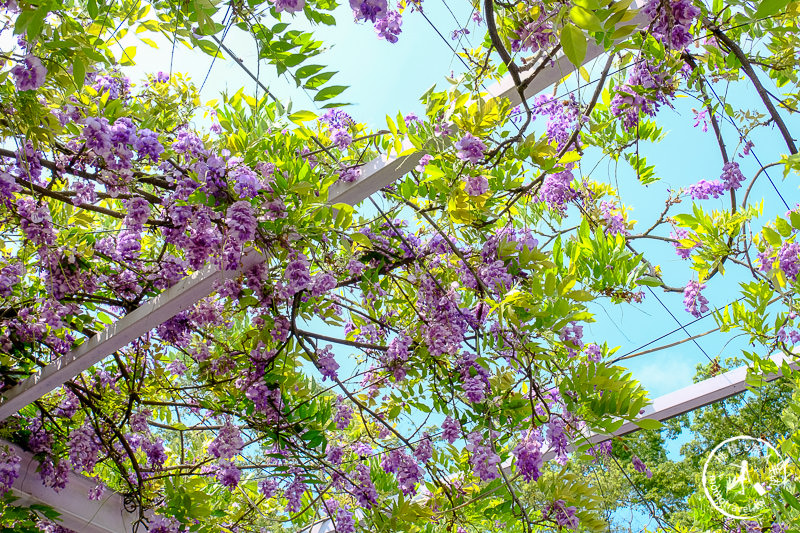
x=529 y=456
x=593 y=352
x=268 y=487
x=424 y=450
x=682 y=234
x=693 y=300
x=671 y=21
x=732 y=176
x=115 y=84
x=30 y=74
x=297 y=276
x=730 y=180
x=364 y=489
x=643 y=92
x=9 y=276
x=388 y=27
x=290 y=6
x=9 y=470
x=446 y=323
x=337 y=119
x=483 y=459
x=334 y=454
x=476 y=185
x=294 y=494
x=470 y=148
x=163 y=524
x=423 y=162
x=370 y=10
x=789 y=260
x=563 y=117
x=451 y=430
x=405 y=468
x=556 y=190
x=268 y=402
x=704 y=189
x=344 y=414
x=640 y=467
x=54 y=475
x=396 y=356
x=228 y=474
x=241 y=222
x=613 y=218
x=227 y=443
x=345 y=523
x=557 y=439
x=533 y=36
x=327 y=364
x=349 y=174
x=562 y=515
x=83 y=448
x=474 y=378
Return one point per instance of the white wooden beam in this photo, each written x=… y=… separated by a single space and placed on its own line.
x=78 y=512
x=149 y=315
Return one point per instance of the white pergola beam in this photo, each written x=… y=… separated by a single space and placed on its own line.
x=78 y=512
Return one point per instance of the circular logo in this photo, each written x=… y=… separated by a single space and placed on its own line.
x=741 y=475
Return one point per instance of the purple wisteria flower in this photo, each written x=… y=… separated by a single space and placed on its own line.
x=291 y=6
x=483 y=459
x=9 y=470
x=84 y=448
x=639 y=466
x=363 y=488
x=644 y=91
x=138 y=212
x=388 y=27
x=732 y=176
x=344 y=414
x=227 y=443
x=147 y=145
x=164 y=524
x=228 y=475
x=529 y=456
x=30 y=74
x=423 y=162
x=327 y=364
x=345 y=523
x=671 y=21
x=703 y=190
x=370 y=10
x=424 y=450
x=692 y=298
x=562 y=515
x=241 y=222
x=533 y=36
x=789 y=260
x=451 y=430
x=405 y=468
x=470 y=148
x=476 y=185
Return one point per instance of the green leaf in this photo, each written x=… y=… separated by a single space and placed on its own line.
x=772 y=236
x=648 y=423
x=770 y=7
x=573 y=41
x=127 y=56
x=329 y=92
x=585 y=19
x=91 y=8
x=78 y=72
x=302 y=116
x=649 y=281
x=361 y=239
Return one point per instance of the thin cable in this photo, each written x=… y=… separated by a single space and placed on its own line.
x=219 y=43
x=683 y=327
x=741 y=136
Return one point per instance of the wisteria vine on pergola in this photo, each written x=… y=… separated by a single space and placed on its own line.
x=403 y=347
